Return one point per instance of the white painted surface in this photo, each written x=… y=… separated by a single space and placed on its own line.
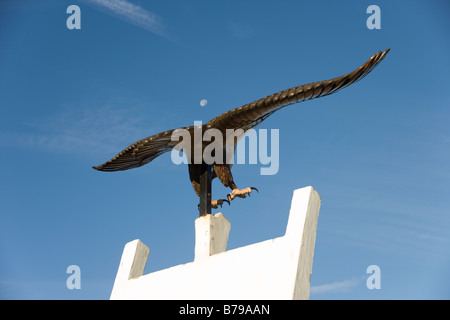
x=274 y=269
x=132 y=263
x=211 y=235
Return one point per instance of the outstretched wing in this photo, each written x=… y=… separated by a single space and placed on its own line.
x=141 y=152
x=245 y=117
x=252 y=114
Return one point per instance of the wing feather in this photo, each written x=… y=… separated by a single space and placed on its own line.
x=141 y=152
x=250 y=115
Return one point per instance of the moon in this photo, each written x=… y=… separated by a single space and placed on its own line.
x=203 y=102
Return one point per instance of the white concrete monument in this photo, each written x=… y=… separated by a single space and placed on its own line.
x=279 y=268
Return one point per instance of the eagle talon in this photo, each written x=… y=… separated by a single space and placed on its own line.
x=216 y=203
x=241 y=193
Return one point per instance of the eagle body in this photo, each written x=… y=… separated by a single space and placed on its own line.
x=244 y=117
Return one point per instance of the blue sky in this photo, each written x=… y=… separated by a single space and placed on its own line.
x=377 y=152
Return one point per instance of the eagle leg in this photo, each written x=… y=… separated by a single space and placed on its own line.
x=223 y=172
x=194 y=175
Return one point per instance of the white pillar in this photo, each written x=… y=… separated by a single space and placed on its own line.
x=211 y=235
x=301 y=233
x=132 y=263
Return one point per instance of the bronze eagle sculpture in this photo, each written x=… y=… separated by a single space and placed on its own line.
x=245 y=117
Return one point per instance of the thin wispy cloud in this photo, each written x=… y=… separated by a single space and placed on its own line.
x=240 y=31
x=338 y=286
x=398 y=227
x=131 y=13
x=81 y=131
